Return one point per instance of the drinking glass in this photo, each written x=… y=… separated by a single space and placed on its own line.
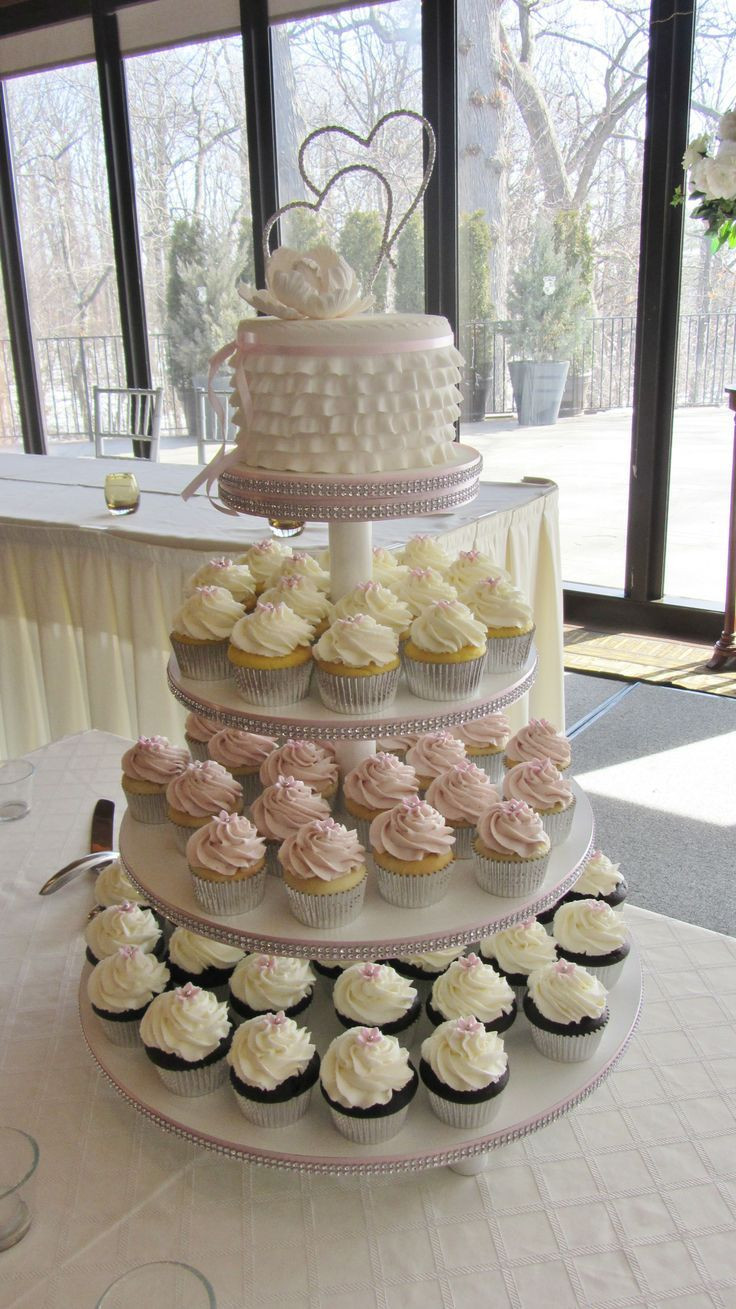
x=122 y=495
x=16 y=779
x=18 y=1163
x=164 y=1285
x=285 y=526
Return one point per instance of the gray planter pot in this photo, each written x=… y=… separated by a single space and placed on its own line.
x=538 y=387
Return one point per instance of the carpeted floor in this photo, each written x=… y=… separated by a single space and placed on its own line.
x=646 y=659
x=659 y=771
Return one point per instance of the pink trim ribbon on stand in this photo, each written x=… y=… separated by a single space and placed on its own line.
x=247 y=344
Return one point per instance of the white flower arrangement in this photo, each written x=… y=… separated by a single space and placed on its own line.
x=713 y=182
x=318 y=284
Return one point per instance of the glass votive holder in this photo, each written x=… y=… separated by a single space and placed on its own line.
x=122 y=495
x=18 y=1163
x=16 y=782
x=166 y=1285
x=285 y=526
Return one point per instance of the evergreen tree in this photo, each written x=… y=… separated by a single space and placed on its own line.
x=409 y=285
x=548 y=297
x=202 y=307
x=359 y=244
x=474 y=248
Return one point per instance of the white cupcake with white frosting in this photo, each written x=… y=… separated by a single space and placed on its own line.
x=357 y=662
x=200 y=632
x=270 y=655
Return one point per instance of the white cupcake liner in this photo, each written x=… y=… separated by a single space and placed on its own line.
x=275 y=1113
x=147 y=808
x=491 y=763
x=369 y=1131
x=356 y=695
x=607 y=974
x=413 y=891
x=272 y=686
x=327 y=910
x=504 y=654
x=557 y=826
x=459 y=1115
x=126 y=1032
x=203 y=663
x=197 y=749
x=566 y=1049
x=194 y=1081
x=225 y=898
x=507 y=877
x=432 y=681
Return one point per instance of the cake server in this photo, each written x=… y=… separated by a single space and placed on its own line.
x=101 y=850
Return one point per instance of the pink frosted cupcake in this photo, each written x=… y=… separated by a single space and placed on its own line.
x=227 y=861
x=283 y=807
x=198 y=793
x=413 y=851
x=311 y=762
x=242 y=753
x=432 y=754
x=397 y=745
x=460 y=795
x=378 y=783
x=198 y=731
x=538 y=740
x=485 y=740
x=201 y=630
x=324 y=873
x=148 y=767
x=511 y=849
x=540 y=785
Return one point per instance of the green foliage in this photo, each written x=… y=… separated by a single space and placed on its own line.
x=409 y=286
x=202 y=308
x=550 y=291
x=359 y=244
x=302 y=229
x=474 y=248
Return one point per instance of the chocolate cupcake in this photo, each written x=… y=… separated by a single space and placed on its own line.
x=368 y=1082
x=273 y=1067
x=186 y=1035
x=465 y=1069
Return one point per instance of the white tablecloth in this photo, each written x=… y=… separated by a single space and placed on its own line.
x=86 y=599
x=627 y=1203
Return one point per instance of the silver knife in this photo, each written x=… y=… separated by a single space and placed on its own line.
x=101 y=850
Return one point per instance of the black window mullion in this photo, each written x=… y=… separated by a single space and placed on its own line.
x=260 y=123
x=668 y=87
x=439 y=96
x=16 y=300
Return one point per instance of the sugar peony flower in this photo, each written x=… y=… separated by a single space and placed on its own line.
x=318 y=284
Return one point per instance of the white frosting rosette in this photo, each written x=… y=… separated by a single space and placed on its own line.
x=590 y=933
x=200 y=631
x=274 y=1065
x=270 y=655
x=375 y=995
x=186 y=1034
x=470 y=987
x=202 y=959
x=270 y=632
x=517 y=951
x=473 y=566
x=235 y=578
x=377 y=602
x=113 y=885
x=121 y=986
x=357 y=665
x=425 y=551
x=464 y=1068
x=422 y=586
x=602 y=878
x=301 y=595
x=264 y=560
x=121 y=924
x=567 y=1011
x=304 y=565
x=508 y=620
x=368 y=1083
x=445 y=654
x=264 y=983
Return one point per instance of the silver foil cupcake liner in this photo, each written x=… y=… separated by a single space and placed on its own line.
x=272 y=686
x=251 y=784
x=413 y=891
x=182 y=834
x=463 y=1115
x=203 y=663
x=126 y=1033
x=463 y=841
x=197 y=749
x=491 y=763
x=356 y=695
x=273 y=865
x=557 y=826
x=444 y=681
x=607 y=974
x=566 y=1049
x=509 y=878
x=147 y=808
x=276 y=1114
x=194 y=1081
x=504 y=654
x=369 y=1131
x=327 y=910
x=226 y=898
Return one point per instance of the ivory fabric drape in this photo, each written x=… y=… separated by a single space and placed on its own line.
x=86 y=599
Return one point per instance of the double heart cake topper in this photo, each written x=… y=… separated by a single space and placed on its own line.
x=390 y=234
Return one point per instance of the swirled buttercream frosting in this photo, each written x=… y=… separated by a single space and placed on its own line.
x=209 y=614
x=566 y=993
x=113 y=886
x=323 y=849
x=380 y=781
x=468 y=987
x=435 y=752
x=521 y=948
x=194 y=953
x=511 y=827
x=270 y=1049
x=286 y=805
x=309 y=761
x=234 y=748
x=200 y=728
x=539 y=784
x=272 y=982
x=122 y=924
x=433 y=961
x=496 y=603
x=491 y=732
x=203 y=789
x=154 y=759
x=589 y=927
x=464 y=1056
x=377 y=602
x=187 y=1022
x=236 y=578
x=473 y=566
x=304 y=565
x=540 y=740
x=271 y=631
x=363 y=1068
x=446 y=626
x=461 y=793
x=125 y=980
x=599 y=877
x=226 y=844
x=422 y=586
x=425 y=551
x=264 y=559
x=410 y=831
x=357 y=642
x=301 y=595
x=373 y=994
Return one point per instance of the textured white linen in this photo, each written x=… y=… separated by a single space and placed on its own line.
x=627 y=1203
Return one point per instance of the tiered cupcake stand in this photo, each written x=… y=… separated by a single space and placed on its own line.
x=539 y=1090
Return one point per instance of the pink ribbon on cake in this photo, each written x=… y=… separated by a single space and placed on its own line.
x=237 y=351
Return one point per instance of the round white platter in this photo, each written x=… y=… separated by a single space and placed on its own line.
x=320 y=498
x=313 y=721
x=466 y=913
x=538 y=1092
